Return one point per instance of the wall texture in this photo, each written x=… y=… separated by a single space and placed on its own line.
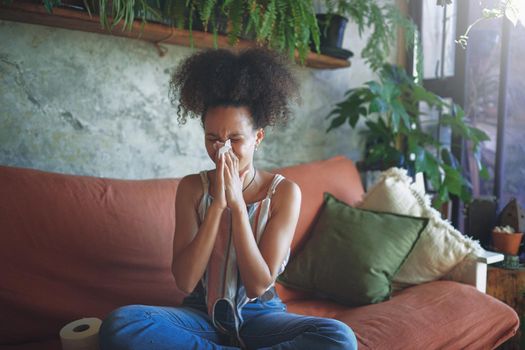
x=93 y=104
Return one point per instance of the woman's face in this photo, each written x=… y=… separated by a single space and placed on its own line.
x=234 y=123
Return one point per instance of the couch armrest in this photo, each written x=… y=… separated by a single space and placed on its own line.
x=473 y=270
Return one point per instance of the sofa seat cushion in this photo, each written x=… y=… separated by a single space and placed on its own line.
x=434 y=315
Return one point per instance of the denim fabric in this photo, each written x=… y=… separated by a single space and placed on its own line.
x=266 y=325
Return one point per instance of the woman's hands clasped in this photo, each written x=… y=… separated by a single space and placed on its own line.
x=219 y=195
x=229 y=181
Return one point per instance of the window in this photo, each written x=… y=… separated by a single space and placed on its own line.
x=437 y=38
x=487 y=80
x=496 y=104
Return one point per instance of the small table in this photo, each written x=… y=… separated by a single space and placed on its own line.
x=508 y=285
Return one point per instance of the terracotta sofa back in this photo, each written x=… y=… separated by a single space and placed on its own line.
x=74 y=246
x=77 y=246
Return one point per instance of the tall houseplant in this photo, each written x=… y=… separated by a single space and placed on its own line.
x=391 y=109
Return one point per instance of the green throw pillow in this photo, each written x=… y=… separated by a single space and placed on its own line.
x=353 y=254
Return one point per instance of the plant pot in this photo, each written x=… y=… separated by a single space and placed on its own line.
x=73 y=4
x=331 y=29
x=506 y=243
x=331 y=34
x=155 y=13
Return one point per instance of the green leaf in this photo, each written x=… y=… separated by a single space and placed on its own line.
x=442 y=197
x=466 y=194
x=336 y=122
x=449 y=159
x=376 y=106
x=453 y=180
x=479 y=134
x=268 y=21
x=400 y=114
x=206 y=8
x=427 y=163
x=49 y=4
x=484 y=173
x=235 y=16
x=422 y=94
x=374 y=87
x=395 y=118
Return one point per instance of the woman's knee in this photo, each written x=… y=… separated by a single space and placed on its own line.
x=339 y=332
x=113 y=329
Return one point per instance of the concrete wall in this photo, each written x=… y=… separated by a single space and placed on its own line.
x=91 y=104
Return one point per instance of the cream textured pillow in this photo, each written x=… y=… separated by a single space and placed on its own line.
x=439 y=249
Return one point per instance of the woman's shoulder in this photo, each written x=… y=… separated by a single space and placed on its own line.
x=286 y=194
x=190 y=179
x=191 y=185
x=285 y=186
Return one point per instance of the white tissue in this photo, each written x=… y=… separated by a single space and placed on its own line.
x=227 y=146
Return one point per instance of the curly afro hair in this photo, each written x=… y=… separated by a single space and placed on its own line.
x=256 y=78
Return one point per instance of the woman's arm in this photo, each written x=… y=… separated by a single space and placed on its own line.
x=192 y=245
x=259 y=265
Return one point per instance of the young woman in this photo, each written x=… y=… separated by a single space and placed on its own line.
x=235 y=223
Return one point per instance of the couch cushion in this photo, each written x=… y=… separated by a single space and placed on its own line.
x=74 y=246
x=440 y=248
x=435 y=315
x=350 y=256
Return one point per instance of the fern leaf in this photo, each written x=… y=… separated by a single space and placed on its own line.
x=235 y=16
x=206 y=10
x=268 y=21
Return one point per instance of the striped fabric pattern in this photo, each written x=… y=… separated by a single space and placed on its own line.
x=221 y=279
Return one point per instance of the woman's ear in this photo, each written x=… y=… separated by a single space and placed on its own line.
x=259 y=136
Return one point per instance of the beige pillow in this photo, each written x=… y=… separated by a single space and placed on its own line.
x=440 y=248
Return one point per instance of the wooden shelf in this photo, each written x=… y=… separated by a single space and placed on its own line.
x=28 y=12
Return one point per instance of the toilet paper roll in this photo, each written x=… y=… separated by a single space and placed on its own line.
x=81 y=334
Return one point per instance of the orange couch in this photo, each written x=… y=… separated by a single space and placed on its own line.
x=77 y=246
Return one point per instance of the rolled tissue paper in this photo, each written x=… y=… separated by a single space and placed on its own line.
x=81 y=334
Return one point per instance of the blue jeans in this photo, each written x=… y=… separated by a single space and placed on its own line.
x=266 y=325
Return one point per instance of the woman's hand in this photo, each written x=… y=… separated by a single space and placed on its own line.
x=219 y=196
x=233 y=180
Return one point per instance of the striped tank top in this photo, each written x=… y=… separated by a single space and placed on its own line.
x=221 y=281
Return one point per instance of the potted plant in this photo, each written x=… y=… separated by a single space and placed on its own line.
x=331 y=33
x=391 y=110
x=506 y=240
x=381 y=18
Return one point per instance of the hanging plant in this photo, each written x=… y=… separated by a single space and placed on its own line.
x=284 y=25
